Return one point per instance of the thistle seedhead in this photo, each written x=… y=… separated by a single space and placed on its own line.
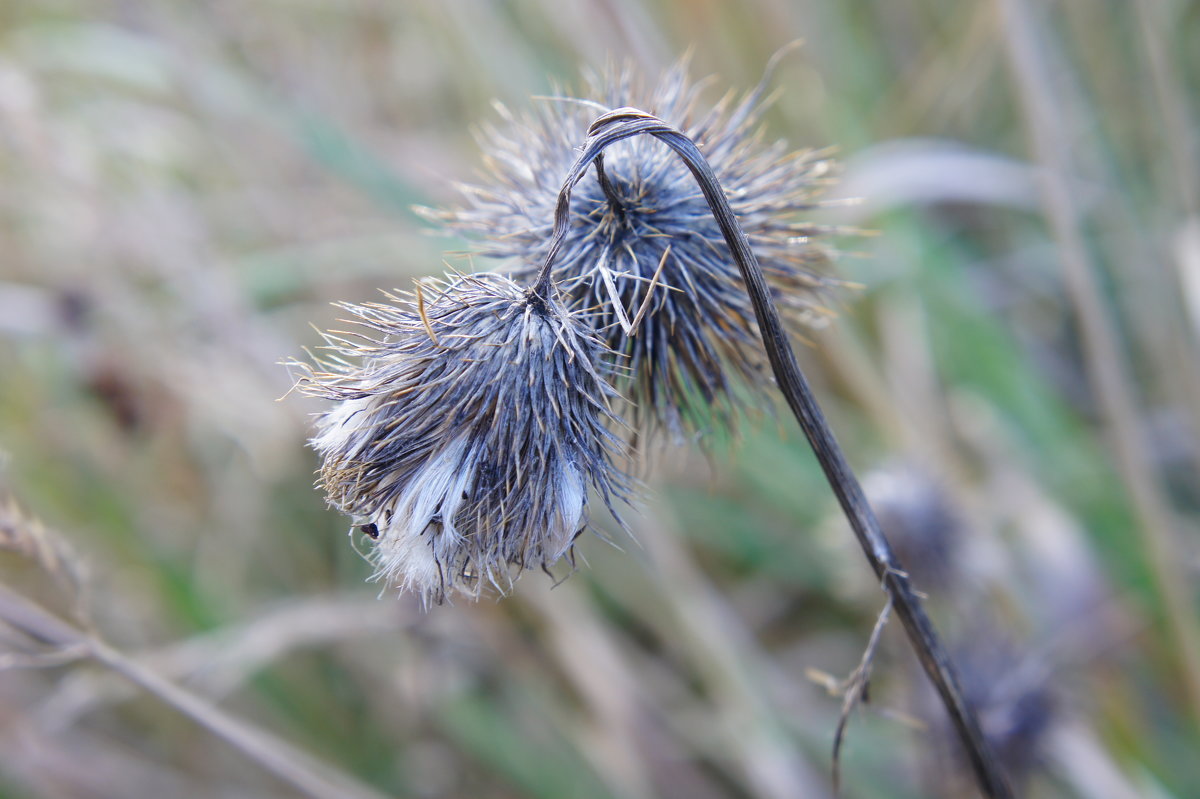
x=1016 y=701
x=473 y=417
x=650 y=232
x=919 y=518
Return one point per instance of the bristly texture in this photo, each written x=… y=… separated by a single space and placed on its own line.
x=698 y=329
x=472 y=419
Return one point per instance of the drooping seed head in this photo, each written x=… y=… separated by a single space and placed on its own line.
x=698 y=330
x=472 y=419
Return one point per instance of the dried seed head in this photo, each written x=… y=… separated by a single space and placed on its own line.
x=1016 y=701
x=650 y=227
x=919 y=518
x=473 y=418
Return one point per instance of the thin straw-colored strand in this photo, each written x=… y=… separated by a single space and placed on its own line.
x=300 y=770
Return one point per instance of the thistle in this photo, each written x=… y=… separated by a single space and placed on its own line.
x=470 y=425
x=472 y=456
x=642 y=239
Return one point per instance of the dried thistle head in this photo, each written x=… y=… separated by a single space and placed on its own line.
x=919 y=518
x=648 y=241
x=472 y=420
x=1016 y=700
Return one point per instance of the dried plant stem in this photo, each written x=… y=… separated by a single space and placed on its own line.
x=854 y=691
x=293 y=766
x=610 y=191
x=1105 y=362
x=625 y=123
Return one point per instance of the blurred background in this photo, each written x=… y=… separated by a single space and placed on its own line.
x=187 y=186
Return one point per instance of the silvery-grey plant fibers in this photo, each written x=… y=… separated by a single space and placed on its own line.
x=646 y=232
x=434 y=490
x=472 y=419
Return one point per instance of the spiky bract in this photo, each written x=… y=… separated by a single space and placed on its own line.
x=472 y=419
x=700 y=328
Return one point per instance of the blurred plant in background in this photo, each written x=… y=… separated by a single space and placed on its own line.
x=187 y=186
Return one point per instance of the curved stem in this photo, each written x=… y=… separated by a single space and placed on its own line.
x=596 y=143
x=610 y=191
x=626 y=122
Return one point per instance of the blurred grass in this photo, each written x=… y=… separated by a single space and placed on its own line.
x=185 y=189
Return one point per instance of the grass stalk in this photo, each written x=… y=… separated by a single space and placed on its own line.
x=1105 y=362
x=300 y=770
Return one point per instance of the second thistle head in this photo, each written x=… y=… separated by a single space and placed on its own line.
x=642 y=238
x=472 y=422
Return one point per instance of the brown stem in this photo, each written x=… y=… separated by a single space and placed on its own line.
x=627 y=122
x=610 y=191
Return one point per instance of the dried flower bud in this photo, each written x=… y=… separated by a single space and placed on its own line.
x=920 y=520
x=1017 y=706
x=651 y=227
x=472 y=420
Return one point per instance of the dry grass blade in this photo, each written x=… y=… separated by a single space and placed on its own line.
x=302 y=771
x=645 y=306
x=28 y=538
x=219 y=662
x=736 y=673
